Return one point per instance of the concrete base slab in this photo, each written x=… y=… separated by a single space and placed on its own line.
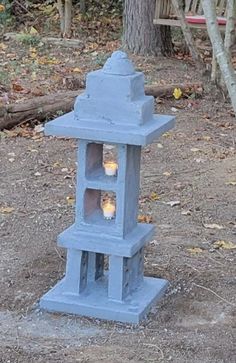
x=93 y=241
x=93 y=302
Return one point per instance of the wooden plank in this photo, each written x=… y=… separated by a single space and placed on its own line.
x=167 y=22
x=162 y=9
x=168 y=8
x=158 y=10
x=173 y=22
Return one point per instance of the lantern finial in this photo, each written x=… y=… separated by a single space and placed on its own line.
x=119 y=64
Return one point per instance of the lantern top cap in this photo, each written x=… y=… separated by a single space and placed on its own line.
x=118 y=64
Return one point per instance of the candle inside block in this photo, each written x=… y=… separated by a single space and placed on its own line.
x=108 y=210
x=110 y=168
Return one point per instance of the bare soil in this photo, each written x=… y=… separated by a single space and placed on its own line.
x=194 y=164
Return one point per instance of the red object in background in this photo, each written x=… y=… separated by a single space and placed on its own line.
x=198 y=19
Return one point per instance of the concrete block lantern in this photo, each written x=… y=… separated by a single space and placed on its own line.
x=113 y=110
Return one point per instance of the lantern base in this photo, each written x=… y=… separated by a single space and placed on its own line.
x=93 y=302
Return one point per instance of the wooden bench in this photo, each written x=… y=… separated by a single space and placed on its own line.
x=165 y=14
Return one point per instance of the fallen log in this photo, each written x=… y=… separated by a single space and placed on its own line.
x=60 y=42
x=43 y=107
x=38 y=108
x=167 y=90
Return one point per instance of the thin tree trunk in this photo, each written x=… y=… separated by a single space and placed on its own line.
x=140 y=35
x=65 y=11
x=83 y=6
x=187 y=34
x=225 y=64
x=229 y=32
x=230 y=26
x=68 y=17
x=60 y=7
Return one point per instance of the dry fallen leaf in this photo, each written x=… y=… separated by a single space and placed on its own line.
x=206 y=138
x=17 y=87
x=3 y=46
x=195 y=250
x=38 y=128
x=195 y=149
x=224 y=245
x=56 y=164
x=77 y=70
x=173 y=203
x=167 y=173
x=154 y=196
x=6 y=210
x=33 y=31
x=231 y=182
x=186 y=212
x=144 y=218
x=177 y=93
x=70 y=200
x=167 y=134
x=213 y=226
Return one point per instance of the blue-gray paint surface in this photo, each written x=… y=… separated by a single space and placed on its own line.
x=113 y=109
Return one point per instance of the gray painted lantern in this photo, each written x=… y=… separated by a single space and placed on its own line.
x=113 y=110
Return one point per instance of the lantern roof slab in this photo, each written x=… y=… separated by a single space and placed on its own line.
x=69 y=126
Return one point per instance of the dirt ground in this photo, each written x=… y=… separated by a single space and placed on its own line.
x=195 y=165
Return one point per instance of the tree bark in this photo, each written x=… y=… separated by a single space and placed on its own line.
x=38 y=108
x=140 y=35
x=224 y=62
x=82 y=6
x=65 y=12
x=68 y=18
x=229 y=33
x=230 y=26
x=60 y=8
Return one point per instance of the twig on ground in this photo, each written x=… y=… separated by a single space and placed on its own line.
x=214 y=293
x=155 y=346
x=61 y=257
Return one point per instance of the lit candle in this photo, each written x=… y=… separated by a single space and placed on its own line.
x=110 y=168
x=108 y=210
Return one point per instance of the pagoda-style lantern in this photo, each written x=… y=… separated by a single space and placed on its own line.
x=113 y=110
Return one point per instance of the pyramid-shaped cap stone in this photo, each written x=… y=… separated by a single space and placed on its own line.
x=118 y=64
x=115 y=94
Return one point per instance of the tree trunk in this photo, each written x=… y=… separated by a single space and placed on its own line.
x=60 y=8
x=82 y=6
x=229 y=33
x=140 y=35
x=230 y=26
x=68 y=18
x=225 y=63
x=65 y=11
